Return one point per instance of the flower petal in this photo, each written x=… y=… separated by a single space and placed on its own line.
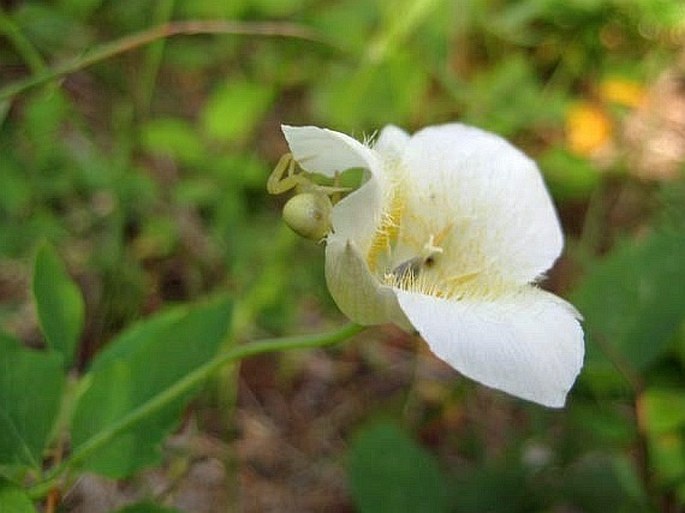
x=358 y=294
x=491 y=194
x=325 y=151
x=392 y=141
x=319 y=150
x=529 y=343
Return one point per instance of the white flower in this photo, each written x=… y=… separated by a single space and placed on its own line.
x=447 y=236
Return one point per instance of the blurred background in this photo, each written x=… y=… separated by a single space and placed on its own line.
x=147 y=170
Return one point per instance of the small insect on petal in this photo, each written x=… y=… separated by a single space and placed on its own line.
x=309 y=214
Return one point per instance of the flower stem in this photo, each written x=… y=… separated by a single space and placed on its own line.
x=185 y=384
x=106 y=50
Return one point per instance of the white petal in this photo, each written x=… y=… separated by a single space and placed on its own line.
x=528 y=344
x=325 y=151
x=392 y=141
x=358 y=294
x=356 y=216
x=491 y=194
x=319 y=150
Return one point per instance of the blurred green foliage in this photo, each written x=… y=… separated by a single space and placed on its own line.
x=31 y=384
x=121 y=378
x=389 y=472
x=12 y=498
x=59 y=304
x=146 y=171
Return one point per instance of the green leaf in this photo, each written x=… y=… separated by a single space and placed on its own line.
x=633 y=300
x=664 y=410
x=173 y=137
x=137 y=366
x=233 y=110
x=13 y=499
x=147 y=507
x=31 y=384
x=389 y=472
x=59 y=303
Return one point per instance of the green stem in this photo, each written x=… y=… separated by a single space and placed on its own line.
x=153 y=57
x=184 y=385
x=23 y=46
x=127 y=43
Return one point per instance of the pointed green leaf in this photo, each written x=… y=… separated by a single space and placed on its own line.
x=137 y=366
x=31 y=384
x=389 y=472
x=59 y=303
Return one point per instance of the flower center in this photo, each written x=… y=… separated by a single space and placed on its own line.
x=406 y=274
x=414 y=248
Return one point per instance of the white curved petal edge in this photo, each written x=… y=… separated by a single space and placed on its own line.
x=495 y=194
x=528 y=343
x=320 y=150
x=358 y=294
x=355 y=217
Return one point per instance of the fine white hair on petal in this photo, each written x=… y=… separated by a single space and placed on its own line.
x=319 y=150
x=528 y=343
x=491 y=194
x=391 y=142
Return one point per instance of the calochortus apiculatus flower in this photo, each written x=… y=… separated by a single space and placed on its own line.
x=446 y=236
